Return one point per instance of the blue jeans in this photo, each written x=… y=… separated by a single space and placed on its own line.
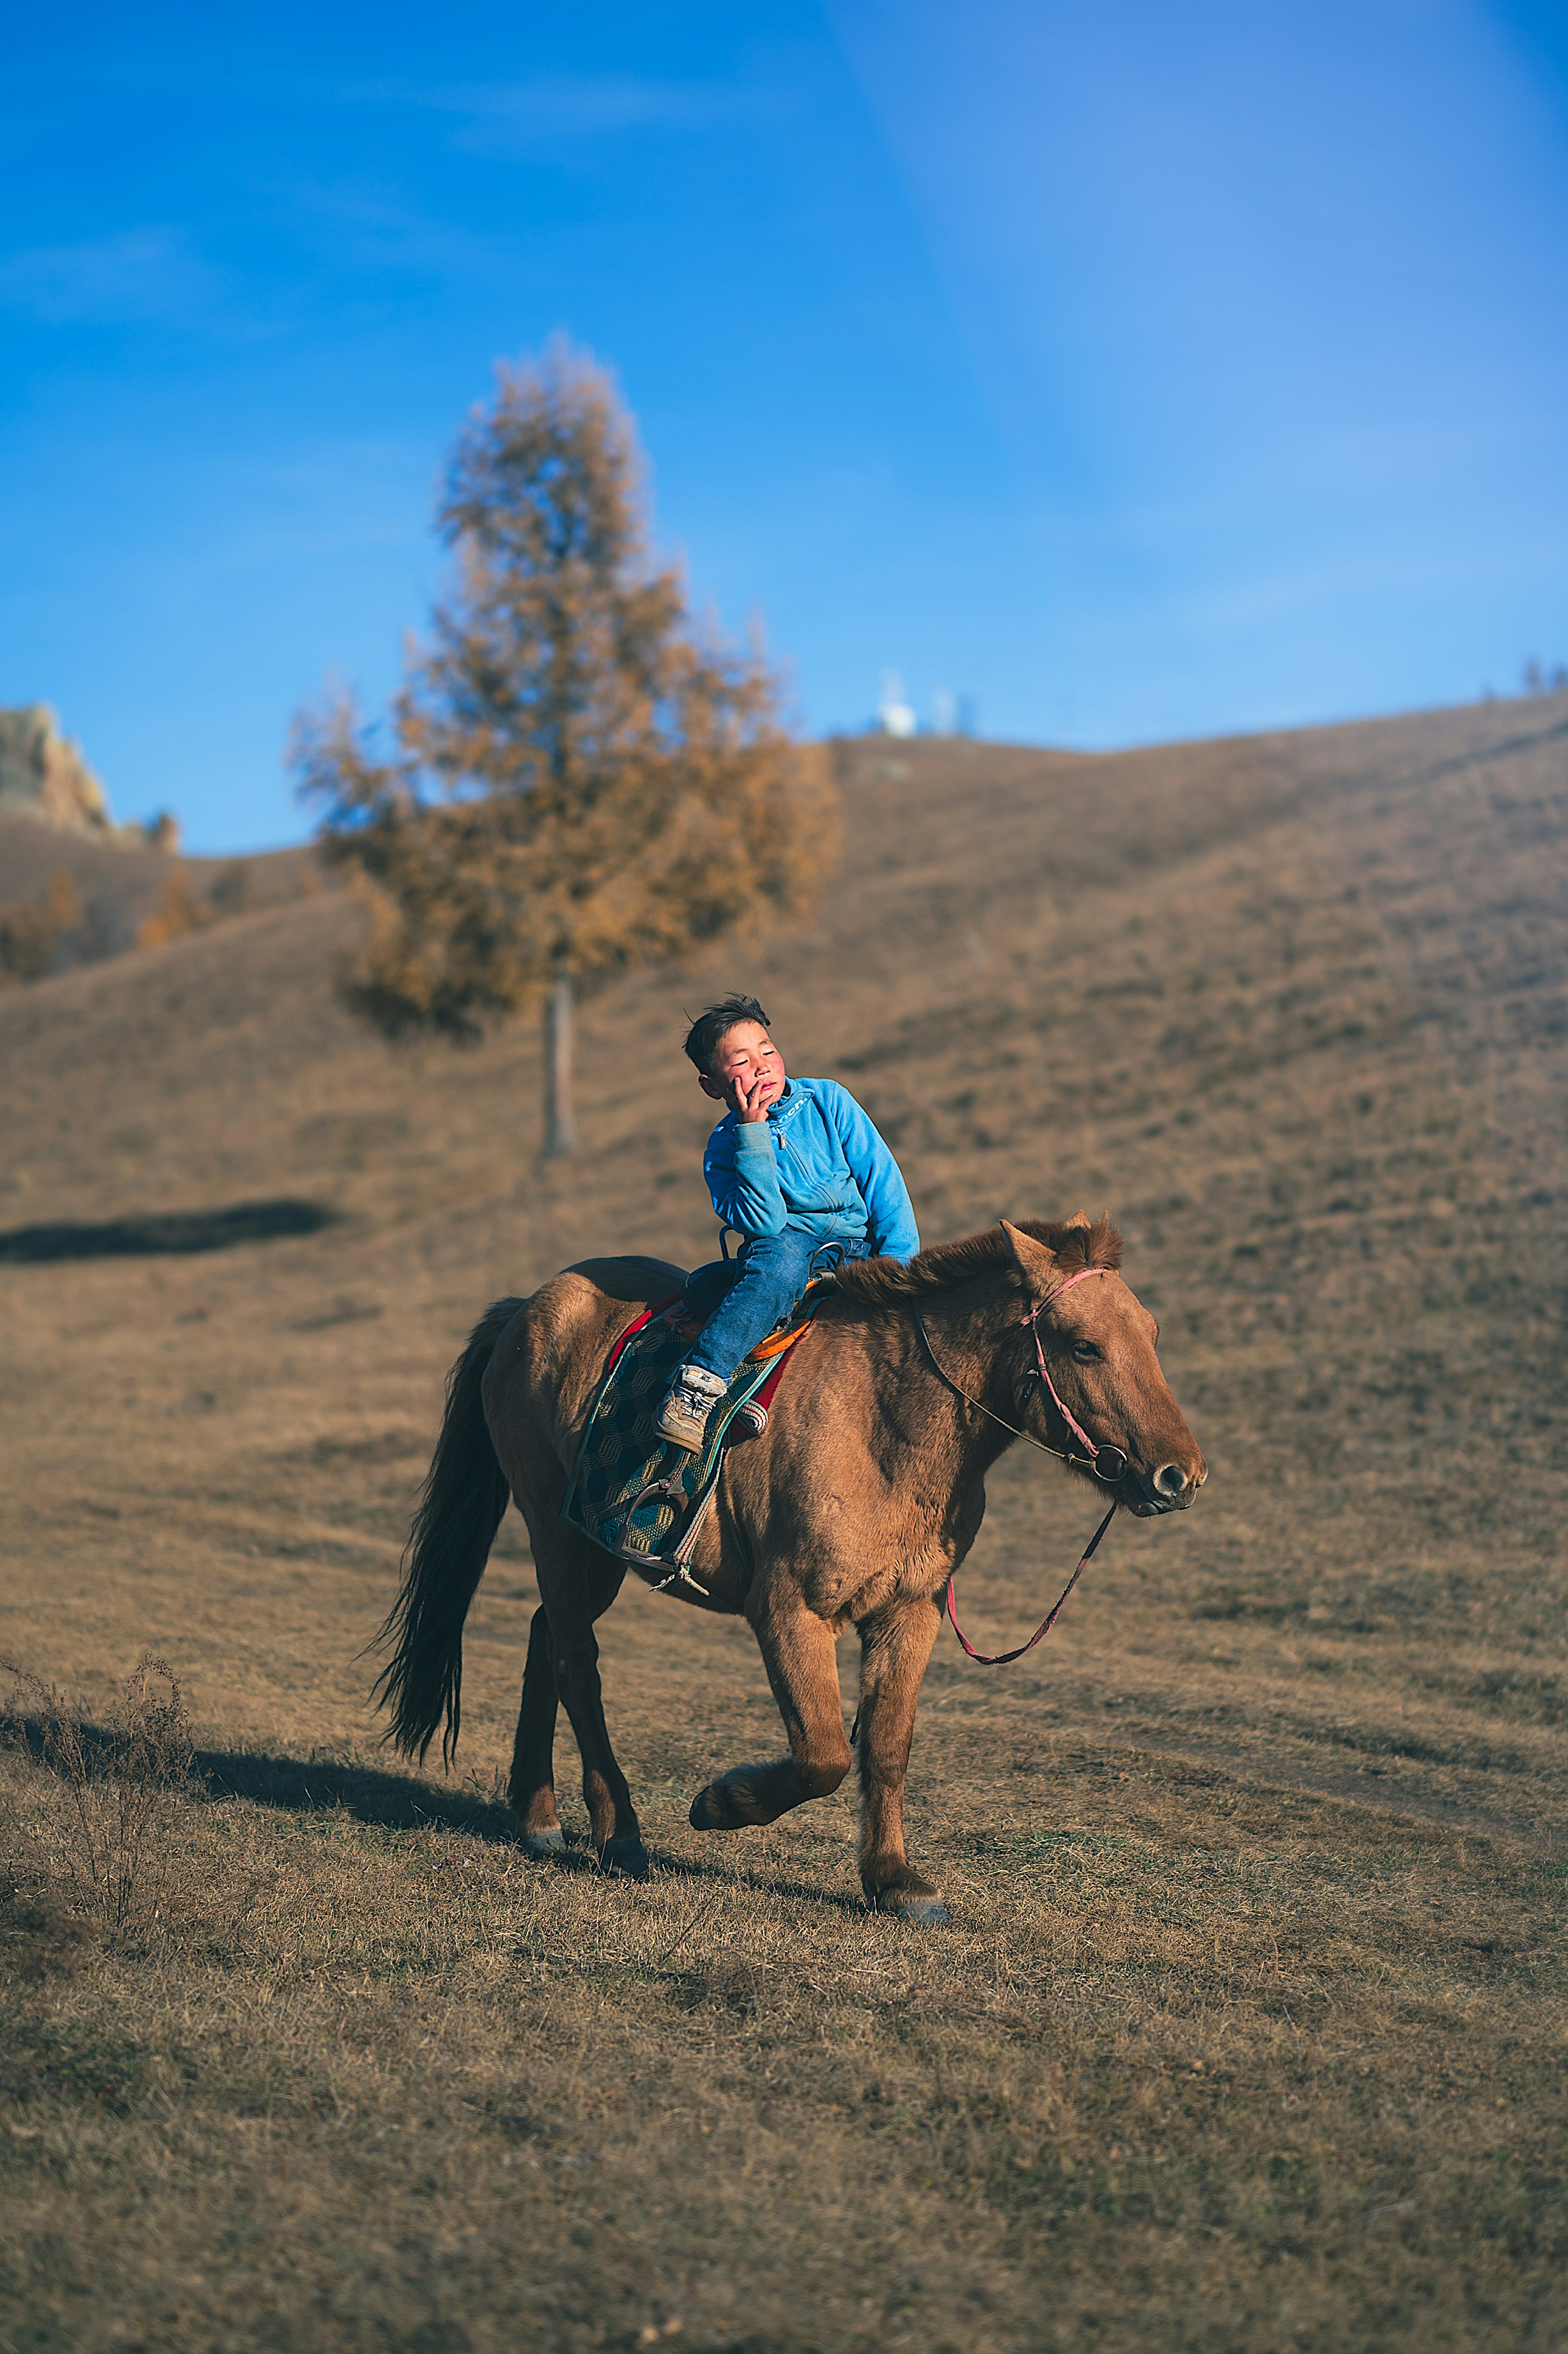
x=744 y=1299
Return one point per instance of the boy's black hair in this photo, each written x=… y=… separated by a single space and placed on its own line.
x=703 y=1037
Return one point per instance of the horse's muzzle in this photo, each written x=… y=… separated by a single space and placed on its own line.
x=1173 y=1488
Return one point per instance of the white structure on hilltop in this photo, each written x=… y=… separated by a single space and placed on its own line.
x=893 y=716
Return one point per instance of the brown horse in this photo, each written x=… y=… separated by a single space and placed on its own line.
x=864 y=1491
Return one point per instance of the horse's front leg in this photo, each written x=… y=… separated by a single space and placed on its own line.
x=797 y=1651
x=895 y=1645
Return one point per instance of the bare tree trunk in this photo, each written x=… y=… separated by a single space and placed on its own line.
x=560 y=1125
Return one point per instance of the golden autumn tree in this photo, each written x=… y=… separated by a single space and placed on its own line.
x=582 y=779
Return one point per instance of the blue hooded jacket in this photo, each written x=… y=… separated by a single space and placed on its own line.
x=816 y=1164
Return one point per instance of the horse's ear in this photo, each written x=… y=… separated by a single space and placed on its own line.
x=1080 y=1218
x=1033 y=1266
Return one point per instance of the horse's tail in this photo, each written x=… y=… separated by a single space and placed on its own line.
x=461 y=1507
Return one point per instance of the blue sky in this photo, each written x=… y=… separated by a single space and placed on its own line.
x=1142 y=371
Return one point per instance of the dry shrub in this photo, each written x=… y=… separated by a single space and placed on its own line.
x=27 y=941
x=30 y=933
x=179 y=910
x=234 y=890
x=104 y=1839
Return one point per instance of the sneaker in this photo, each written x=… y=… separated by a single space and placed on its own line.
x=683 y=1417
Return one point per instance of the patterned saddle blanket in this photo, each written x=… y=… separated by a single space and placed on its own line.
x=631 y=1491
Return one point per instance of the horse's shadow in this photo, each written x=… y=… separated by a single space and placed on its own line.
x=392 y=1801
x=366 y=1793
x=302 y=1785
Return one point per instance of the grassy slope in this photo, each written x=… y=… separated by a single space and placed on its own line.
x=119 y=881
x=1249 y=2030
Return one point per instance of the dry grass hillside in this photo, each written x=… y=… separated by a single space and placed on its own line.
x=105 y=892
x=1248 y=2031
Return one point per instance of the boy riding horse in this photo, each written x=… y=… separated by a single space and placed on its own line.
x=797 y=1169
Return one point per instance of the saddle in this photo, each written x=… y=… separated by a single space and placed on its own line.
x=631 y=1491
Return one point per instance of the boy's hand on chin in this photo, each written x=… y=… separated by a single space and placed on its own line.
x=750 y=1103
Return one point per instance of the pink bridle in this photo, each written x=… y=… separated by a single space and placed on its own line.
x=1031 y=1323
x=1032 y=1320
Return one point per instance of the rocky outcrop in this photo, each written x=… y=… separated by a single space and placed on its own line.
x=43 y=774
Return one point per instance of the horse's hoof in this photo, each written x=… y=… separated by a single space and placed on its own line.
x=923 y=1909
x=709 y=1812
x=625 y=1859
x=542 y=1845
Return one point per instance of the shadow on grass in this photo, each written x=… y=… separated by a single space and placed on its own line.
x=167 y=1233
x=312 y=1785
x=395 y=1801
x=758 y=1879
x=367 y=1794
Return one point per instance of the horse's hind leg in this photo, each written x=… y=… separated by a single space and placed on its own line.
x=894 y=1648
x=797 y=1651
x=531 y=1790
x=578 y=1583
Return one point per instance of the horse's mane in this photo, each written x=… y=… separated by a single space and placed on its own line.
x=888 y=1282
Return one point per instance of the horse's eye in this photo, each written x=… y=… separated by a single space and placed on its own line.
x=1086 y=1352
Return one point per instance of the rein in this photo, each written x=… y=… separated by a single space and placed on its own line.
x=1005 y=1659
x=1096 y=1459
